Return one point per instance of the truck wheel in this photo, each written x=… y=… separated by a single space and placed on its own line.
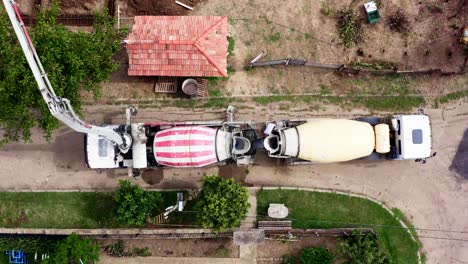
x=372 y=120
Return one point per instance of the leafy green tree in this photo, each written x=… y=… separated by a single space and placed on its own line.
x=134 y=205
x=316 y=255
x=73 y=249
x=363 y=249
x=222 y=203
x=74 y=61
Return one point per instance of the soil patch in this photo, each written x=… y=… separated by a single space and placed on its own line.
x=78 y=7
x=275 y=249
x=82 y=7
x=160 y=7
x=219 y=247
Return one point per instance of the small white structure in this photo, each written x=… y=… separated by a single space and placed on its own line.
x=370 y=6
x=278 y=211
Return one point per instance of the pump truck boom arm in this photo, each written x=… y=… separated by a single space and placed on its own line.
x=59 y=107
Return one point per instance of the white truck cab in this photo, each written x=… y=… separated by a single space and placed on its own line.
x=413 y=137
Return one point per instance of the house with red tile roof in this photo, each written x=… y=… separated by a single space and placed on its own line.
x=192 y=46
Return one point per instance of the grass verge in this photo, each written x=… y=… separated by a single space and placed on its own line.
x=450 y=97
x=62 y=210
x=327 y=210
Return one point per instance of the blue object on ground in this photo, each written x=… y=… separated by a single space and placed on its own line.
x=17 y=257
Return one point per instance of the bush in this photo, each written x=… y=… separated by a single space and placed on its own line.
x=116 y=249
x=222 y=203
x=399 y=22
x=142 y=252
x=316 y=255
x=222 y=252
x=75 y=250
x=349 y=27
x=29 y=244
x=363 y=249
x=134 y=205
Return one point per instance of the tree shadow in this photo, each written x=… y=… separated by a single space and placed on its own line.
x=460 y=161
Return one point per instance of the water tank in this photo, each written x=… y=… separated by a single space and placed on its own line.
x=328 y=140
x=190 y=87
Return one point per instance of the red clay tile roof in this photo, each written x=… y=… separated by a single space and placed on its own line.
x=178 y=46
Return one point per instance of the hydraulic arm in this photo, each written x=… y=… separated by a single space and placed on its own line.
x=59 y=107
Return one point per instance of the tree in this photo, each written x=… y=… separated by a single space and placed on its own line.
x=134 y=205
x=222 y=203
x=73 y=249
x=316 y=255
x=74 y=61
x=363 y=249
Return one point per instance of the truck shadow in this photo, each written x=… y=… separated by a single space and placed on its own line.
x=69 y=151
x=67 y=148
x=460 y=161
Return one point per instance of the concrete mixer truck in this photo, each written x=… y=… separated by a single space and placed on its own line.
x=320 y=140
x=397 y=137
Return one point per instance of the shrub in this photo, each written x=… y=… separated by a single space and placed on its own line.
x=222 y=252
x=363 y=249
x=349 y=27
x=222 y=203
x=316 y=255
x=133 y=204
x=29 y=244
x=75 y=250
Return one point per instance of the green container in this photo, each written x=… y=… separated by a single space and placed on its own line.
x=373 y=17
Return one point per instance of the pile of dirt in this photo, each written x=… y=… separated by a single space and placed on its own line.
x=399 y=22
x=160 y=7
x=82 y=7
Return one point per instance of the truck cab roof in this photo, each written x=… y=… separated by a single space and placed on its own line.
x=414 y=136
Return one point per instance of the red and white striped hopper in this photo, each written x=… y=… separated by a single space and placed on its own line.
x=191 y=146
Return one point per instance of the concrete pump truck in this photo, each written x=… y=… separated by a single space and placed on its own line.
x=198 y=144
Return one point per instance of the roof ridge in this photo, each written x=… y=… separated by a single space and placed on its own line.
x=208 y=31
x=203 y=52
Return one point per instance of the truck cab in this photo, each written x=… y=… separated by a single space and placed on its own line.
x=412 y=136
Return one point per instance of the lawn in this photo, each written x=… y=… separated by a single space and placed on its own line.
x=327 y=210
x=62 y=209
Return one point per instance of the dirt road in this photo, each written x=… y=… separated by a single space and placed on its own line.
x=433 y=195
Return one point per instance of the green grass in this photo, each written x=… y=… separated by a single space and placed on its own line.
x=273 y=37
x=185 y=103
x=327 y=10
x=450 y=97
x=392 y=103
x=62 y=210
x=231 y=45
x=264 y=100
x=385 y=85
x=374 y=66
x=324 y=89
x=214 y=92
x=216 y=103
x=326 y=210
